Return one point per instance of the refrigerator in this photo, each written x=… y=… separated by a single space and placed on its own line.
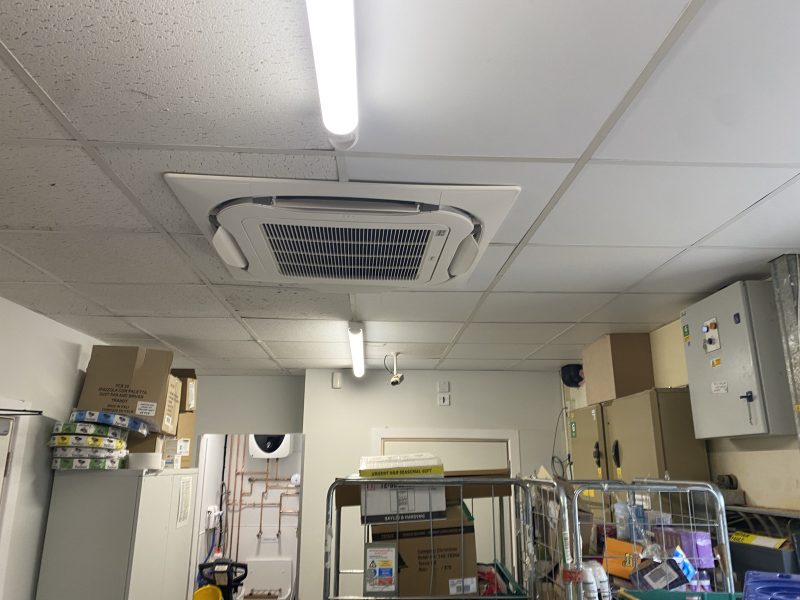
x=119 y=535
x=644 y=435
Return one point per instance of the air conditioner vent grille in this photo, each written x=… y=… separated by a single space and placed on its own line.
x=351 y=253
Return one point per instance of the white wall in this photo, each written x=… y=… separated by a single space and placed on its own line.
x=338 y=426
x=41 y=363
x=256 y=404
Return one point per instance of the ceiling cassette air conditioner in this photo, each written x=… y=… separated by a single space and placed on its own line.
x=355 y=235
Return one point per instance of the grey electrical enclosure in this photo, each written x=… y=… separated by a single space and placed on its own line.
x=734 y=357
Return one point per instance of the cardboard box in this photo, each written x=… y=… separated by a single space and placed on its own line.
x=133 y=381
x=152 y=443
x=620 y=558
x=188 y=389
x=414 y=549
x=186 y=423
x=617 y=365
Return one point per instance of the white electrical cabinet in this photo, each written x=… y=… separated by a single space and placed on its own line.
x=118 y=535
x=734 y=358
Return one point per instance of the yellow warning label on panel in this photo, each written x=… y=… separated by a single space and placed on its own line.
x=619 y=472
x=600 y=471
x=716 y=362
x=588 y=493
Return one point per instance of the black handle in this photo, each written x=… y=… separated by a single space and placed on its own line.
x=747 y=396
x=596 y=454
x=615 y=454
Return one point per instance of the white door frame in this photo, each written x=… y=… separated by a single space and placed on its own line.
x=509 y=436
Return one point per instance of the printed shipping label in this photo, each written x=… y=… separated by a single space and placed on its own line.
x=146 y=409
x=468 y=585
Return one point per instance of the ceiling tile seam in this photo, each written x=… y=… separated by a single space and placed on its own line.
x=87 y=297
x=55 y=110
x=785 y=185
x=38 y=142
x=647 y=72
x=701 y=164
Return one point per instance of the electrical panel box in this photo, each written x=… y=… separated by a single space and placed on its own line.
x=734 y=358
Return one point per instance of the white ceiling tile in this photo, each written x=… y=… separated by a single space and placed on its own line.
x=50 y=299
x=283 y=350
x=182 y=362
x=559 y=352
x=709 y=269
x=773 y=223
x=286 y=302
x=198 y=349
x=646 y=205
x=99 y=327
x=519 y=307
x=405 y=363
x=485 y=271
x=235 y=366
x=540 y=365
x=581 y=268
x=461 y=364
x=143 y=170
x=492 y=351
x=458 y=89
x=143 y=342
x=538 y=180
x=638 y=308
x=224 y=74
x=416 y=306
x=13 y=269
x=315 y=363
x=156 y=300
x=95 y=257
x=60 y=187
x=197 y=328
x=586 y=333
x=21 y=113
x=512 y=333
x=404 y=349
x=726 y=92
x=384 y=331
x=295 y=330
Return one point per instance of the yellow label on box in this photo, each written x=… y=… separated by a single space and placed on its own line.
x=588 y=493
x=742 y=537
x=403 y=471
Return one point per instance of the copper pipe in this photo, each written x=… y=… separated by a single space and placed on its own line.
x=252 y=480
x=239 y=523
x=231 y=493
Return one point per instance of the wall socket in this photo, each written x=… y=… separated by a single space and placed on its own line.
x=443 y=399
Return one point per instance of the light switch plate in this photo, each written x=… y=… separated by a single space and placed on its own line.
x=443 y=399
x=443 y=386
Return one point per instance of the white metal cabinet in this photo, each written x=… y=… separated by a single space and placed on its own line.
x=734 y=358
x=125 y=535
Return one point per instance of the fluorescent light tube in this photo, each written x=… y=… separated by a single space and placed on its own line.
x=355 y=331
x=333 y=41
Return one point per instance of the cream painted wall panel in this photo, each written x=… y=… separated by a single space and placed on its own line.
x=41 y=363
x=339 y=423
x=669 y=364
x=768 y=468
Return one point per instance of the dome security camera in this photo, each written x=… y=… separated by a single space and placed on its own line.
x=395 y=378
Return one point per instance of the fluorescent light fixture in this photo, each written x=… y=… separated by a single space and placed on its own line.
x=333 y=41
x=355 y=331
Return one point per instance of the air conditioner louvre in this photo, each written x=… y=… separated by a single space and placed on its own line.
x=347 y=253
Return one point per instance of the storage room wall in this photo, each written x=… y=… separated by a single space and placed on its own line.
x=249 y=404
x=41 y=362
x=240 y=404
x=768 y=468
x=338 y=425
